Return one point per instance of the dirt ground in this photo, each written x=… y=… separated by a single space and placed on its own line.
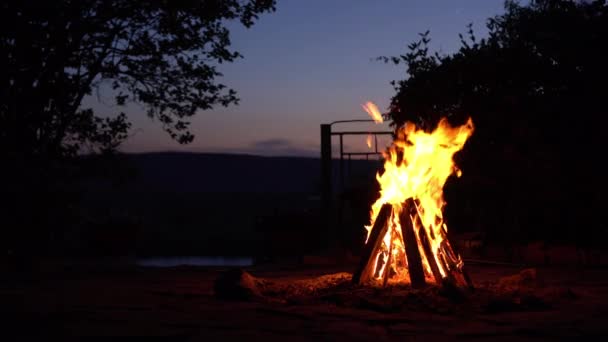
x=296 y=302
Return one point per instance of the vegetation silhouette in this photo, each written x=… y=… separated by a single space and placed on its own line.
x=161 y=54
x=535 y=88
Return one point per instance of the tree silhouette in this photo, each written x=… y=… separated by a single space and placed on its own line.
x=535 y=88
x=162 y=54
x=159 y=53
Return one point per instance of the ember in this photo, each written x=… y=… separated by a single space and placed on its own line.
x=407 y=237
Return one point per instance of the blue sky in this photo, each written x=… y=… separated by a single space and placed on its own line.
x=312 y=62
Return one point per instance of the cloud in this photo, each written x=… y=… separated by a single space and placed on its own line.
x=276 y=143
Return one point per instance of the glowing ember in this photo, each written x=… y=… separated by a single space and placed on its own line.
x=416 y=167
x=369 y=140
x=373 y=111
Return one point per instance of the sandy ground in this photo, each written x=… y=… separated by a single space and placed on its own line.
x=178 y=304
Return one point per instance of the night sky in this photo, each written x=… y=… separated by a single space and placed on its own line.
x=308 y=63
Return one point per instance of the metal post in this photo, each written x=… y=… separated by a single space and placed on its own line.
x=331 y=212
x=339 y=229
x=376 y=143
x=341 y=164
x=326 y=177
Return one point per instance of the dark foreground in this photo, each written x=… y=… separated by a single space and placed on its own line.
x=299 y=302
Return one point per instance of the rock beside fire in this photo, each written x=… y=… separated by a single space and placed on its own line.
x=236 y=284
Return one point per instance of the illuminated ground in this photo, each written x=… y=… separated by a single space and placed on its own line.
x=179 y=304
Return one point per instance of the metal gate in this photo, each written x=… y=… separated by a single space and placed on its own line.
x=331 y=199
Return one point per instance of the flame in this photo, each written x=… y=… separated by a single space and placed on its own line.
x=373 y=111
x=369 y=141
x=417 y=165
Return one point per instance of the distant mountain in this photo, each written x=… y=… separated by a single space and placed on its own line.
x=233 y=173
x=214 y=204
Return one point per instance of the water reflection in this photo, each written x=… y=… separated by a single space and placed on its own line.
x=194 y=261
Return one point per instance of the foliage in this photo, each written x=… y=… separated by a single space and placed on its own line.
x=162 y=54
x=535 y=89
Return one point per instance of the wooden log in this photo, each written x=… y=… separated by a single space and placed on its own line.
x=449 y=278
x=414 y=261
x=423 y=235
x=430 y=257
x=379 y=229
x=455 y=271
x=389 y=261
x=464 y=278
x=463 y=271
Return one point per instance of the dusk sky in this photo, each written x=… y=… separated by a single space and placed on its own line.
x=308 y=63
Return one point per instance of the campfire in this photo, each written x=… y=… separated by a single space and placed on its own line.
x=407 y=239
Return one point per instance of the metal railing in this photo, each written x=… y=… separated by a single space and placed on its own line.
x=326 y=162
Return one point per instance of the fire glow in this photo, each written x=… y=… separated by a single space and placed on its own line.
x=406 y=223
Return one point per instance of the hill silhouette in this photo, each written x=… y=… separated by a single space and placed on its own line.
x=201 y=172
x=231 y=173
x=212 y=204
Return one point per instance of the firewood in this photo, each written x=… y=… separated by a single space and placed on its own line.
x=414 y=261
x=236 y=284
x=389 y=261
x=455 y=270
x=379 y=229
x=423 y=235
x=464 y=275
x=430 y=257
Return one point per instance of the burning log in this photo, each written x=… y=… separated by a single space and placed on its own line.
x=379 y=229
x=414 y=260
x=430 y=256
x=450 y=260
x=389 y=261
x=407 y=238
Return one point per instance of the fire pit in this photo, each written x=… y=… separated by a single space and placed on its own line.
x=407 y=239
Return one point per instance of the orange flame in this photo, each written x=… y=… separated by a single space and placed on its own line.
x=373 y=111
x=416 y=166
